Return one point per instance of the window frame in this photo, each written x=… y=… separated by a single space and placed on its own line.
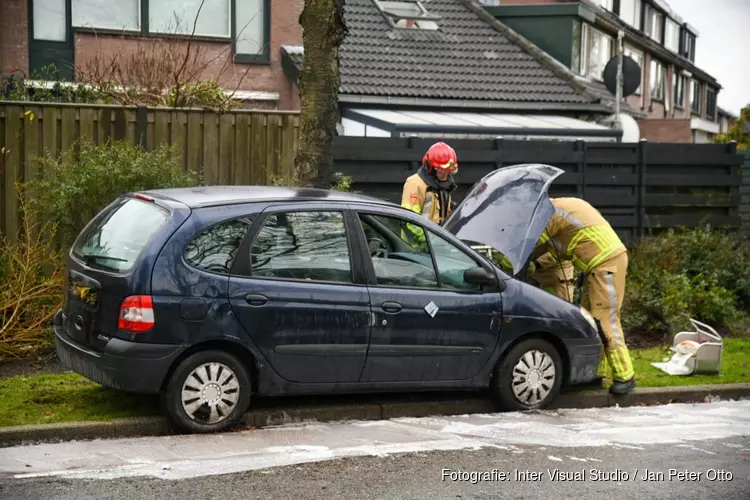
x=711 y=102
x=254 y=215
x=696 y=96
x=669 y=22
x=425 y=15
x=663 y=86
x=243 y=267
x=679 y=90
x=635 y=21
x=263 y=57
x=628 y=50
x=649 y=25
x=586 y=35
x=370 y=269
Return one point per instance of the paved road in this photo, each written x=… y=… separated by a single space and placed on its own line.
x=679 y=451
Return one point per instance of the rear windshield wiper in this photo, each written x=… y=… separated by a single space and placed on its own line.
x=95 y=259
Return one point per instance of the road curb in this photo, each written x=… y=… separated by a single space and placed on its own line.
x=286 y=414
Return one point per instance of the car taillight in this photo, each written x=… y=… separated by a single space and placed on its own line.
x=136 y=314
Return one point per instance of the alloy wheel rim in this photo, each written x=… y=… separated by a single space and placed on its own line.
x=533 y=377
x=210 y=393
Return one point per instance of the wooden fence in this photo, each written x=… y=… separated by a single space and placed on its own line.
x=638 y=187
x=745 y=194
x=239 y=147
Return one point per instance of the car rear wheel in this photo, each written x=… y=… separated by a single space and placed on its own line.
x=209 y=391
x=529 y=375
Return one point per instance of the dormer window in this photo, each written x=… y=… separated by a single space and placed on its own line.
x=408 y=14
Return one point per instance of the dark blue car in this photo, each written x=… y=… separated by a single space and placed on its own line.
x=210 y=295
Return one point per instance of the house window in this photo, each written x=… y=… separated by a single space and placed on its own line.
x=630 y=12
x=653 y=23
x=711 y=104
x=119 y=15
x=687 y=45
x=637 y=56
x=50 y=20
x=695 y=97
x=408 y=14
x=672 y=36
x=182 y=17
x=679 y=91
x=658 y=80
x=597 y=51
x=245 y=22
x=607 y=4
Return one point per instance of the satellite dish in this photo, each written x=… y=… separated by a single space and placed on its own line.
x=631 y=76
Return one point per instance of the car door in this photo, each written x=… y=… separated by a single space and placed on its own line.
x=427 y=325
x=301 y=295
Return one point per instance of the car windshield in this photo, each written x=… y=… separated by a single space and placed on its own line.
x=117 y=237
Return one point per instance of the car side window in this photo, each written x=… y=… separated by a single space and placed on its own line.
x=452 y=262
x=397 y=259
x=309 y=246
x=215 y=249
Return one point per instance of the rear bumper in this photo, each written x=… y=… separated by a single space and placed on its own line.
x=584 y=355
x=123 y=365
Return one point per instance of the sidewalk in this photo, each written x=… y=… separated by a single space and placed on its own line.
x=283 y=411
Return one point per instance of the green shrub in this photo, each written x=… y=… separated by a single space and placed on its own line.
x=76 y=187
x=687 y=273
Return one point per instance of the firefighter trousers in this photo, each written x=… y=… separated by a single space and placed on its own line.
x=602 y=295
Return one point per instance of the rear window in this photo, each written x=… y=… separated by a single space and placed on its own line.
x=117 y=237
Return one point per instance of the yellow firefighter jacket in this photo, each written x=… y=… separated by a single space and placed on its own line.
x=578 y=232
x=426 y=200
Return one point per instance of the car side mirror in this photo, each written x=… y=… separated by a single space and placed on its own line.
x=479 y=276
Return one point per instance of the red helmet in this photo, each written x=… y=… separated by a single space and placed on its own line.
x=441 y=157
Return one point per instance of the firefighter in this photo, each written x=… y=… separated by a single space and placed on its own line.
x=578 y=232
x=428 y=192
x=557 y=278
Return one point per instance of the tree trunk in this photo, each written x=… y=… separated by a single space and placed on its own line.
x=323 y=31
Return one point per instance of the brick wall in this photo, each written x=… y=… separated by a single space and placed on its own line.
x=666 y=130
x=285 y=29
x=14 y=38
x=215 y=57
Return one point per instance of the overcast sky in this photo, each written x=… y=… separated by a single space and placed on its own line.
x=723 y=45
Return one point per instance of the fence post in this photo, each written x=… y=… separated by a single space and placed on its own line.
x=641 y=207
x=580 y=145
x=141 y=124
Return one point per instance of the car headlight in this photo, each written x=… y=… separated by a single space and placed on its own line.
x=587 y=315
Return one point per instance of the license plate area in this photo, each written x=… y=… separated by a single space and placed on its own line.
x=81 y=307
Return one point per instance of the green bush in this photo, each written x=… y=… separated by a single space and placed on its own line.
x=687 y=273
x=77 y=186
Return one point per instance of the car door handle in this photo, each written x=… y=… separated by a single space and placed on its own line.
x=391 y=307
x=255 y=299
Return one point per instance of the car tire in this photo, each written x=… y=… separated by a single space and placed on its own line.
x=542 y=385
x=205 y=386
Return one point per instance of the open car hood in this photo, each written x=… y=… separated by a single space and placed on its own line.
x=507 y=210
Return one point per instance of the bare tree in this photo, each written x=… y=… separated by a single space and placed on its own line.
x=165 y=71
x=324 y=30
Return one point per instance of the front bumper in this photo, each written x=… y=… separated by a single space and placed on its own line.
x=584 y=356
x=123 y=365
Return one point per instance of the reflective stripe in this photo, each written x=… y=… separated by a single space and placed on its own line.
x=568 y=217
x=544 y=238
x=612 y=293
x=605 y=239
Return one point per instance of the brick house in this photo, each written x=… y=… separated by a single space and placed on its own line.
x=447 y=68
x=239 y=40
x=679 y=98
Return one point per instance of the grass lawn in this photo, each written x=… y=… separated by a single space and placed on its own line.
x=66 y=397
x=735 y=366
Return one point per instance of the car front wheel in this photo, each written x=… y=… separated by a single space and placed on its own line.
x=529 y=375
x=209 y=391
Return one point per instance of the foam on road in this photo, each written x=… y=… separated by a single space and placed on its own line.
x=181 y=457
